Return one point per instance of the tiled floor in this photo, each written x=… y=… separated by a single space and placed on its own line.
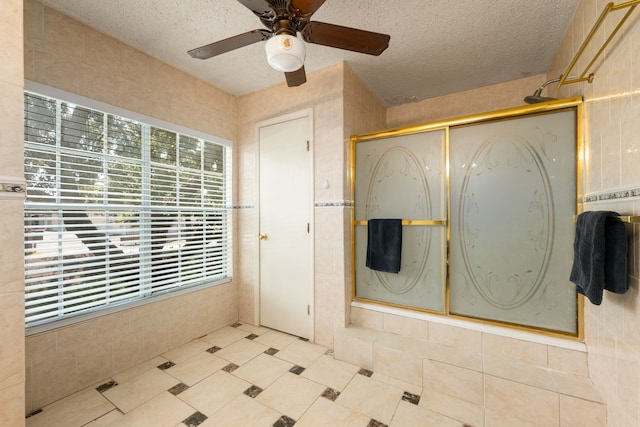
x=244 y=376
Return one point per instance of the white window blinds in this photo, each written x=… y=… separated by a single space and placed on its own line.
x=117 y=210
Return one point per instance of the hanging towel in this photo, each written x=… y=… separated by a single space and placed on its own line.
x=600 y=255
x=384 y=244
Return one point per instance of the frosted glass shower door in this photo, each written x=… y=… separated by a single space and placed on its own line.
x=403 y=177
x=513 y=199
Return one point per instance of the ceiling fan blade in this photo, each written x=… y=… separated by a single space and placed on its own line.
x=306 y=8
x=261 y=8
x=345 y=38
x=296 y=78
x=226 y=45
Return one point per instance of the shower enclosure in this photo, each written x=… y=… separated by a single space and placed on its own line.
x=488 y=205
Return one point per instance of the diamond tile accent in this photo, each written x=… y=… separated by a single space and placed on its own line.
x=230 y=367
x=235 y=325
x=253 y=391
x=365 y=372
x=195 y=419
x=330 y=394
x=411 y=398
x=252 y=336
x=106 y=386
x=376 y=423
x=271 y=351
x=178 y=388
x=213 y=349
x=297 y=370
x=284 y=421
x=166 y=365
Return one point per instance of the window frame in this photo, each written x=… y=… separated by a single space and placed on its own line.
x=149 y=122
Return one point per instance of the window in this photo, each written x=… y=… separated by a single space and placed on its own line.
x=118 y=210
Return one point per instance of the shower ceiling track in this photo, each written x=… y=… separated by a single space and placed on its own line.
x=610 y=7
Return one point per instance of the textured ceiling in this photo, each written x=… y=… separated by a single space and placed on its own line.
x=437 y=47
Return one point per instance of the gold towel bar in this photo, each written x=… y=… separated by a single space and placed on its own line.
x=412 y=222
x=564 y=78
x=627 y=218
x=620 y=218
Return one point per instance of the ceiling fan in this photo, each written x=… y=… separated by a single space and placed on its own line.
x=285 y=51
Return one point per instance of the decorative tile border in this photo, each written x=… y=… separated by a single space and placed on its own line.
x=12 y=188
x=614 y=195
x=340 y=204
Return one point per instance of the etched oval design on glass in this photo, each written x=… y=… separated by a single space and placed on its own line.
x=397 y=181
x=525 y=240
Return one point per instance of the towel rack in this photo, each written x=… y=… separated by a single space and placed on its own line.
x=413 y=222
x=626 y=218
x=608 y=8
x=630 y=219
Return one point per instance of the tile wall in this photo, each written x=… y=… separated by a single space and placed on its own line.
x=12 y=371
x=342 y=106
x=612 y=178
x=478 y=374
x=65 y=54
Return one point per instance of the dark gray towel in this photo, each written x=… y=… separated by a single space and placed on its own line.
x=600 y=255
x=384 y=244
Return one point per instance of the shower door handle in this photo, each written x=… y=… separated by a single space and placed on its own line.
x=262 y=236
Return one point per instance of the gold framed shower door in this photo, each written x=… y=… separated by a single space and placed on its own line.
x=441 y=223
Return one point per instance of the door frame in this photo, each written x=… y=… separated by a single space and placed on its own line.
x=306 y=113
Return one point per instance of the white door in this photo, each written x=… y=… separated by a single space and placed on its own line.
x=285 y=225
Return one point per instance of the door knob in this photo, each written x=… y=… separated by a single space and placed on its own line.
x=262 y=236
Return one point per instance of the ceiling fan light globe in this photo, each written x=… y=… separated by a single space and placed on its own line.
x=285 y=52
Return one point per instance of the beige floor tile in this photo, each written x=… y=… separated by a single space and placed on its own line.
x=225 y=336
x=138 y=390
x=409 y=387
x=451 y=407
x=496 y=419
x=164 y=410
x=75 y=410
x=263 y=370
x=325 y=413
x=243 y=411
x=330 y=372
x=302 y=353
x=143 y=367
x=410 y=415
x=187 y=351
x=106 y=419
x=291 y=395
x=371 y=397
x=196 y=368
x=252 y=329
x=214 y=392
x=276 y=339
x=240 y=352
